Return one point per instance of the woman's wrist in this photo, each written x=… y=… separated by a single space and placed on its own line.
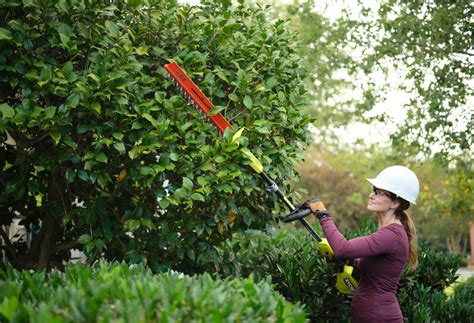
x=322 y=214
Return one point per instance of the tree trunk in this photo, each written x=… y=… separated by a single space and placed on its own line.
x=52 y=219
x=453 y=242
x=472 y=243
x=48 y=242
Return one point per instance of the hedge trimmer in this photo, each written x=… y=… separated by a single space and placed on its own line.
x=346 y=283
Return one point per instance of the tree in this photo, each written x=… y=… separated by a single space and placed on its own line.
x=420 y=50
x=100 y=152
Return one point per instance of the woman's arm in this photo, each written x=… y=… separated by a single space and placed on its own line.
x=380 y=242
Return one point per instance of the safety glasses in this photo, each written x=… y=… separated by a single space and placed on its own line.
x=379 y=191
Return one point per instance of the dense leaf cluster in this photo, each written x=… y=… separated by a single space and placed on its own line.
x=100 y=150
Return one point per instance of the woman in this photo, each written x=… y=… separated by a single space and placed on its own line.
x=381 y=256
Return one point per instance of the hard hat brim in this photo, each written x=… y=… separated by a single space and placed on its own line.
x=379 y=184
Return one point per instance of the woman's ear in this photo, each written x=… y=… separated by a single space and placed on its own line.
x=395 y=204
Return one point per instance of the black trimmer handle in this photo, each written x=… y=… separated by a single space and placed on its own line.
x=298 y=215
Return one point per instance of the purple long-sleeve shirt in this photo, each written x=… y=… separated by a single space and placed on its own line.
x=383 y=255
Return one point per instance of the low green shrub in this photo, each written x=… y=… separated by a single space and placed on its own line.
x=294 y=265
x=117 y=292
x=422 y=303
x=292 y=261
x=421 y=293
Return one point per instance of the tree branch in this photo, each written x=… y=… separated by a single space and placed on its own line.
x=65 y=246
x=46 y=135
x=8 y=246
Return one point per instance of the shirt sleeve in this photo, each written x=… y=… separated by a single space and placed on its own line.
x=380 y=242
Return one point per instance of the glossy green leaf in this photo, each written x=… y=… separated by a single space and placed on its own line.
x=56 y=136
x=50 y=112
x=118 y=135
x=112 y=28
x=197 y=197
x=217 y=109
x=7 y=111
x=248 y=102
x=233 y=97
x=96 y=107
x=187 y=183
x=85 y=238
x=101 y=157
x=5 y=34
x=9 y=305
x=120 y=147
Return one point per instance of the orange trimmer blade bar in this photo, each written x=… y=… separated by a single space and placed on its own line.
x=195 y=96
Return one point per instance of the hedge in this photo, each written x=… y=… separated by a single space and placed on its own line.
x=121 y=293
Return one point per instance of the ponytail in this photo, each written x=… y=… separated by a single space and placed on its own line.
x=411 y=232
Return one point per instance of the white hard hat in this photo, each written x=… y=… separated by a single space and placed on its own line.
x=398 y=180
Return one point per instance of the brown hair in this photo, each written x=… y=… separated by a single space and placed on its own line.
x=410 y=230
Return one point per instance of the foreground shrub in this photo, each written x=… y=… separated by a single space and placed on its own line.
x=111 y=292
x=292 y=261
x=294 y=265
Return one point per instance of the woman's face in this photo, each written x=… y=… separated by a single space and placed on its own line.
x=380 y=201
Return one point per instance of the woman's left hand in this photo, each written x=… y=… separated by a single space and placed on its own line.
x=315 y=205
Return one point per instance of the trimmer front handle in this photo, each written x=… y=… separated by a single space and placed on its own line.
x=297 y=214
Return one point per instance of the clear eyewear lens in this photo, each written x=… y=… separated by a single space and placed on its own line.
x=377 y=191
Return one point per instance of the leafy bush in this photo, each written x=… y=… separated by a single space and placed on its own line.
x=111 y=292
x=421 y=294
x=104 y=155
x=292 y=261
x=294 y=265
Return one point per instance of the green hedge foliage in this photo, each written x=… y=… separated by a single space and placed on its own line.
x=118 y=292
x=292 y=261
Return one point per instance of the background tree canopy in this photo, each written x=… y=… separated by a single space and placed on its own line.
x=100 y=151
x=421 y=51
